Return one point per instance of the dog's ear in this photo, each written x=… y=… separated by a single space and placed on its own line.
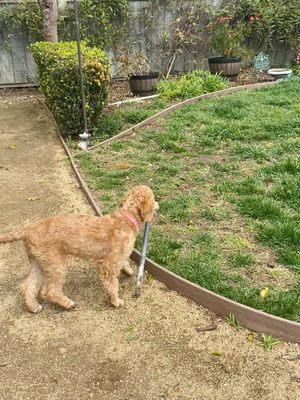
x=147 y=209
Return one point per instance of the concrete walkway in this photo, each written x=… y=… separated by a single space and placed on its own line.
x=148 y=350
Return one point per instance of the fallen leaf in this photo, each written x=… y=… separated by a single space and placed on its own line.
x=264 y=292
x=250 y=337
x=150 y=278
x=33 y=198
x=13 y=146
x=217 y=353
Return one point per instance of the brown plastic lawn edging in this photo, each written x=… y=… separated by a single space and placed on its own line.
x=251 y=318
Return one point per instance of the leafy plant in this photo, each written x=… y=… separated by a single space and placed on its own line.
x=267 y=342
x=231 y=319
x=59 y=81
x=266 y=22
x=101 y=22
x=228 y=37
x=182 y=35
x=25 y=13
x=190 y=85
x=133 y=63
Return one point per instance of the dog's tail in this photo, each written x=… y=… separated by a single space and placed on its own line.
x=11 y=237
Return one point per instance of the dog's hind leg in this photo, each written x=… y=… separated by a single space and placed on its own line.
x=109 y=273
x=31 y=286
x=53 y=283
x=126 y=268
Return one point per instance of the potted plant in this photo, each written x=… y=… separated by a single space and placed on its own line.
x=227 y=38
x=136 y=66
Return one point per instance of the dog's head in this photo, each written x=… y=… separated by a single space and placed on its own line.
x=140 y=201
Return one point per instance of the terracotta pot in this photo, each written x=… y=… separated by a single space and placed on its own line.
x=143 y=85
x=228 y=67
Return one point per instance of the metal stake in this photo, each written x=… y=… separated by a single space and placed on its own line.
x=140 y=272
x=85 y=136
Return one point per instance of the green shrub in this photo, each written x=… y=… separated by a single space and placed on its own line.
x=190 y=85
x=59 y=81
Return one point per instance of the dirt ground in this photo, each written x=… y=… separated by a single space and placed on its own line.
x=150 y=348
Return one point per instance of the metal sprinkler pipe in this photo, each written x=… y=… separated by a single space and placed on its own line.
x=140 y=271
x=85 y=136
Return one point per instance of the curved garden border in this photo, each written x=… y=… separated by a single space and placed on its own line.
x=169 y=110
x=251 y=318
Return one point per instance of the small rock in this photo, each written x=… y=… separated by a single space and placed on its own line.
x=295 y=379
x=291 y=357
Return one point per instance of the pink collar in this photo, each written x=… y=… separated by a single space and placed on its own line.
x=131 y=219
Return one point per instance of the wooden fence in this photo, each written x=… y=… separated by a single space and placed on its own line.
x=17 y=66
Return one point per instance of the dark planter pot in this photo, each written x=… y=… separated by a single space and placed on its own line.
x=143 y=85
x=225 y=66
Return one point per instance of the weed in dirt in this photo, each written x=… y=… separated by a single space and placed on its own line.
x=267 y=342
x=231 y=319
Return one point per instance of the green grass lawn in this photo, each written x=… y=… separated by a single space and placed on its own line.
x=226 y=173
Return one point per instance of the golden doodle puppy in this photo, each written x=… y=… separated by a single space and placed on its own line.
x=107 y=241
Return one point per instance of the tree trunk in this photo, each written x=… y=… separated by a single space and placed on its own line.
x=50 y=14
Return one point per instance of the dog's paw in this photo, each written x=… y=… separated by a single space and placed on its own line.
x=37 y=309
x=71 y=304
x=118 y=303
x=128 y=271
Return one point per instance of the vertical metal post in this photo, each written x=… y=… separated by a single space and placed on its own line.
x=85 y=136
x=140 y=272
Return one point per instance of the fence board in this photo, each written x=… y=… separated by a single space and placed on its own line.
x=17 y=65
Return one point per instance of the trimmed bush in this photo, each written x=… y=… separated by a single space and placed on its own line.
x=59 y=81
x=190 y=85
